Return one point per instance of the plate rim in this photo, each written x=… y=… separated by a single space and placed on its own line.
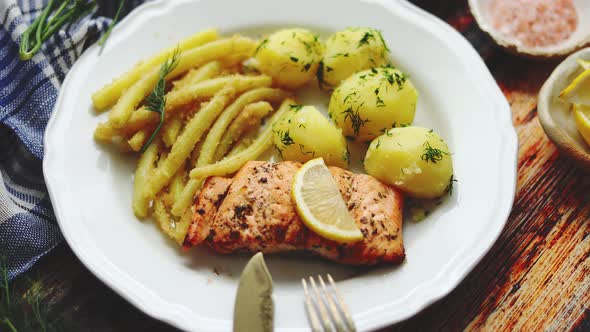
x=172 y=314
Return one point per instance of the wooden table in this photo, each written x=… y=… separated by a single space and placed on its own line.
x=536 y=277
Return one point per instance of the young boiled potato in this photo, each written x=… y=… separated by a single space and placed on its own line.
x=304 y=133
x=370 y=102
x=291 y=57
x=413 y=159
x=351 y=51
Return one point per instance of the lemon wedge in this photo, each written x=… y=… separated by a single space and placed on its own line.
x=582 y=118
x=585 y=64
x=320 y=204
x=578 y=92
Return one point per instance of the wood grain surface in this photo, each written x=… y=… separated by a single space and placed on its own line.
x=536 y=277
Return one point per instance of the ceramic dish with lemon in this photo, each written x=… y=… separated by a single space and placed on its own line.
x=564 y=108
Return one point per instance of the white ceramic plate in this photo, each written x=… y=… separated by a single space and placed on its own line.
x=91 y=186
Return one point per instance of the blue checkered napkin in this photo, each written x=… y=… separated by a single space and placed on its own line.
x=28 y=91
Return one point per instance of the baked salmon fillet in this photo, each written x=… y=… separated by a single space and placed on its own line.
x=253 y=211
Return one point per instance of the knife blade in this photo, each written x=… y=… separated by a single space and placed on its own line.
x=254 y=309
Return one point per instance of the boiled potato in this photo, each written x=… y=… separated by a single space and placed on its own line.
x=304 y=133
x=413 y=159
x=291 y=57
x=351 y=51
x=370 y=102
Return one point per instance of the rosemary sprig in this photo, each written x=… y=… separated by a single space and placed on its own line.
x=54 y=17
x=156 y=101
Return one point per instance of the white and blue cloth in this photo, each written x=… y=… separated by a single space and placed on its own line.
x=28 y=91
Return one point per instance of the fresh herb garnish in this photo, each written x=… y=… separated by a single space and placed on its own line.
x=26 y=311
x=356 y=121
x=307 y=67
x=346 y=55
x=394 y=77
x=294 y=59
x=54 y=17
x=261 y=46
x=366 y=38
x=285 y=138
x=380 y=102
x=449 y=188
x=383 y=40
x=431 y=154
x=106 y=35
x=296 y=108
x=320 y=75
x=156 y=101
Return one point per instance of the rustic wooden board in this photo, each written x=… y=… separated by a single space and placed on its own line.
x=536 y=277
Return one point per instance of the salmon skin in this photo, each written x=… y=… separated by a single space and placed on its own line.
x=253 y=211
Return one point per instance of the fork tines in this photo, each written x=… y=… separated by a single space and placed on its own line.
x=325 y=307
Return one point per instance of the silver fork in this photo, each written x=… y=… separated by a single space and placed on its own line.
x=325 y=307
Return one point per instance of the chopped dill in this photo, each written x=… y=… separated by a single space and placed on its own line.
x=366 y=38
x=285 y=138
x=307 y=67
x=356 y=121
x=346 y=55
x=294 y=59
x=349 y=96
x=329 y=69
x=431 y=154
x=346 y=155
x=380 y=102
x=261 y=46
x=383 y=40
x=279 y=151
x=320 y=74
x=449 y=188
x=296 y=107
x=378 y=144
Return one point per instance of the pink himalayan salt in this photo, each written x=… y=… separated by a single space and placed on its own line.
x=534 y=22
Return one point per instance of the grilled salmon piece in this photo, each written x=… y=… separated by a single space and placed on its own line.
x=254 y=212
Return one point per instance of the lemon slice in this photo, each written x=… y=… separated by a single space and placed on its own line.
x=582 y=118
x=585 y=64
x=320 y=204
x=578 y=92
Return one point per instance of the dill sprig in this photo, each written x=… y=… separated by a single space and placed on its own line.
x=156 y=101
x=356 y=120
x=106 y=35
x=431 y=154
x=54 y=17
x=22 y=312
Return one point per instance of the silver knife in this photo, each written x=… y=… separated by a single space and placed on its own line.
x=254 y=309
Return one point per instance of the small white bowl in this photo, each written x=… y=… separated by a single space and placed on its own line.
x=556 y=114
x=579 y=39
